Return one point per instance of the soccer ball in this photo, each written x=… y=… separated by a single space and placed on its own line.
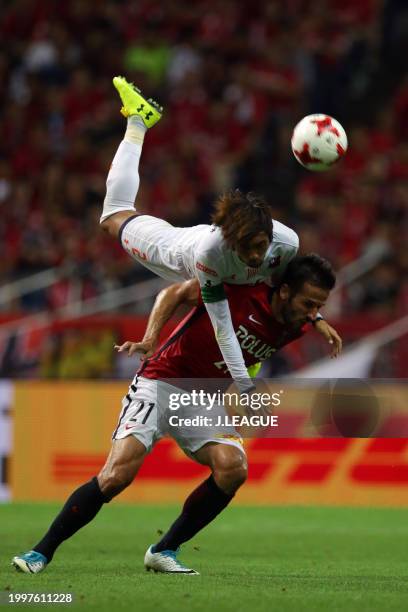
x=318 y=142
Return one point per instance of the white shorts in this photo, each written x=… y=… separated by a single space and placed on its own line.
x=152 y=242
x=146 y=415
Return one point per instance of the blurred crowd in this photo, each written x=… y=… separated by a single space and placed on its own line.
x=234 y=78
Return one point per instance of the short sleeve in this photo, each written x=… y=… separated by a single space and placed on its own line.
x=208 y=270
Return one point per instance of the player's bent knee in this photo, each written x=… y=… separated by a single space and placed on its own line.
x=114 y=481
x=234 y=478
x=231 y=480
x=124 y=461
x=113 y=224
x=230 y=471
x=110 y=227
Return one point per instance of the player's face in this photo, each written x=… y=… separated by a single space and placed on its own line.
x=253 y=251
x=304 y=305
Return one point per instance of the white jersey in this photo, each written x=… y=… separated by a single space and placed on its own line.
x=207 y=256
x=178 y=253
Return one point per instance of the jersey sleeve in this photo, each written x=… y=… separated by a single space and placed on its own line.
x=210 y=274
x=288 y=251
x=220 y=317
x=208 y=270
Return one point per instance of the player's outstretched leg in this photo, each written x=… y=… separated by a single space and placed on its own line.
x=79 y=509
x=211 y=497
x=123 y=179
x=122 y=465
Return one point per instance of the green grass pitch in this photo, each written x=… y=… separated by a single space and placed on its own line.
x=250 y=558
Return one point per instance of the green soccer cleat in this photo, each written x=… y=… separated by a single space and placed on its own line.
x=135 y=104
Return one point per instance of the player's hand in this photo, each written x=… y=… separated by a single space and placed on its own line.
x=331 y=336
x=249 y=403
x=146 y=348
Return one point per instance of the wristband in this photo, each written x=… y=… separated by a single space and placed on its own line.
x=319 y=317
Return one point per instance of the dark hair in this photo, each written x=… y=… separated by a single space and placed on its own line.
x=241 y=216
x=311 y=269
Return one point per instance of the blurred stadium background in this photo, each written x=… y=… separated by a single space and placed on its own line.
x=234 y=78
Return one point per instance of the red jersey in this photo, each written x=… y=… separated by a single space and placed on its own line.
x=191 y=350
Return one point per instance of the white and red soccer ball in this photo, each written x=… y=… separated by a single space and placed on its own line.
x=318 y=142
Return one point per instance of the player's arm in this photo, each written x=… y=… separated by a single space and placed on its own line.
x=219 y=312
x=210 y=274
x=322 y=326
x=330 y=334
x=166 y=304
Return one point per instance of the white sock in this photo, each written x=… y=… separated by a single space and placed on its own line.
x=136 y=130
x=122 y=183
